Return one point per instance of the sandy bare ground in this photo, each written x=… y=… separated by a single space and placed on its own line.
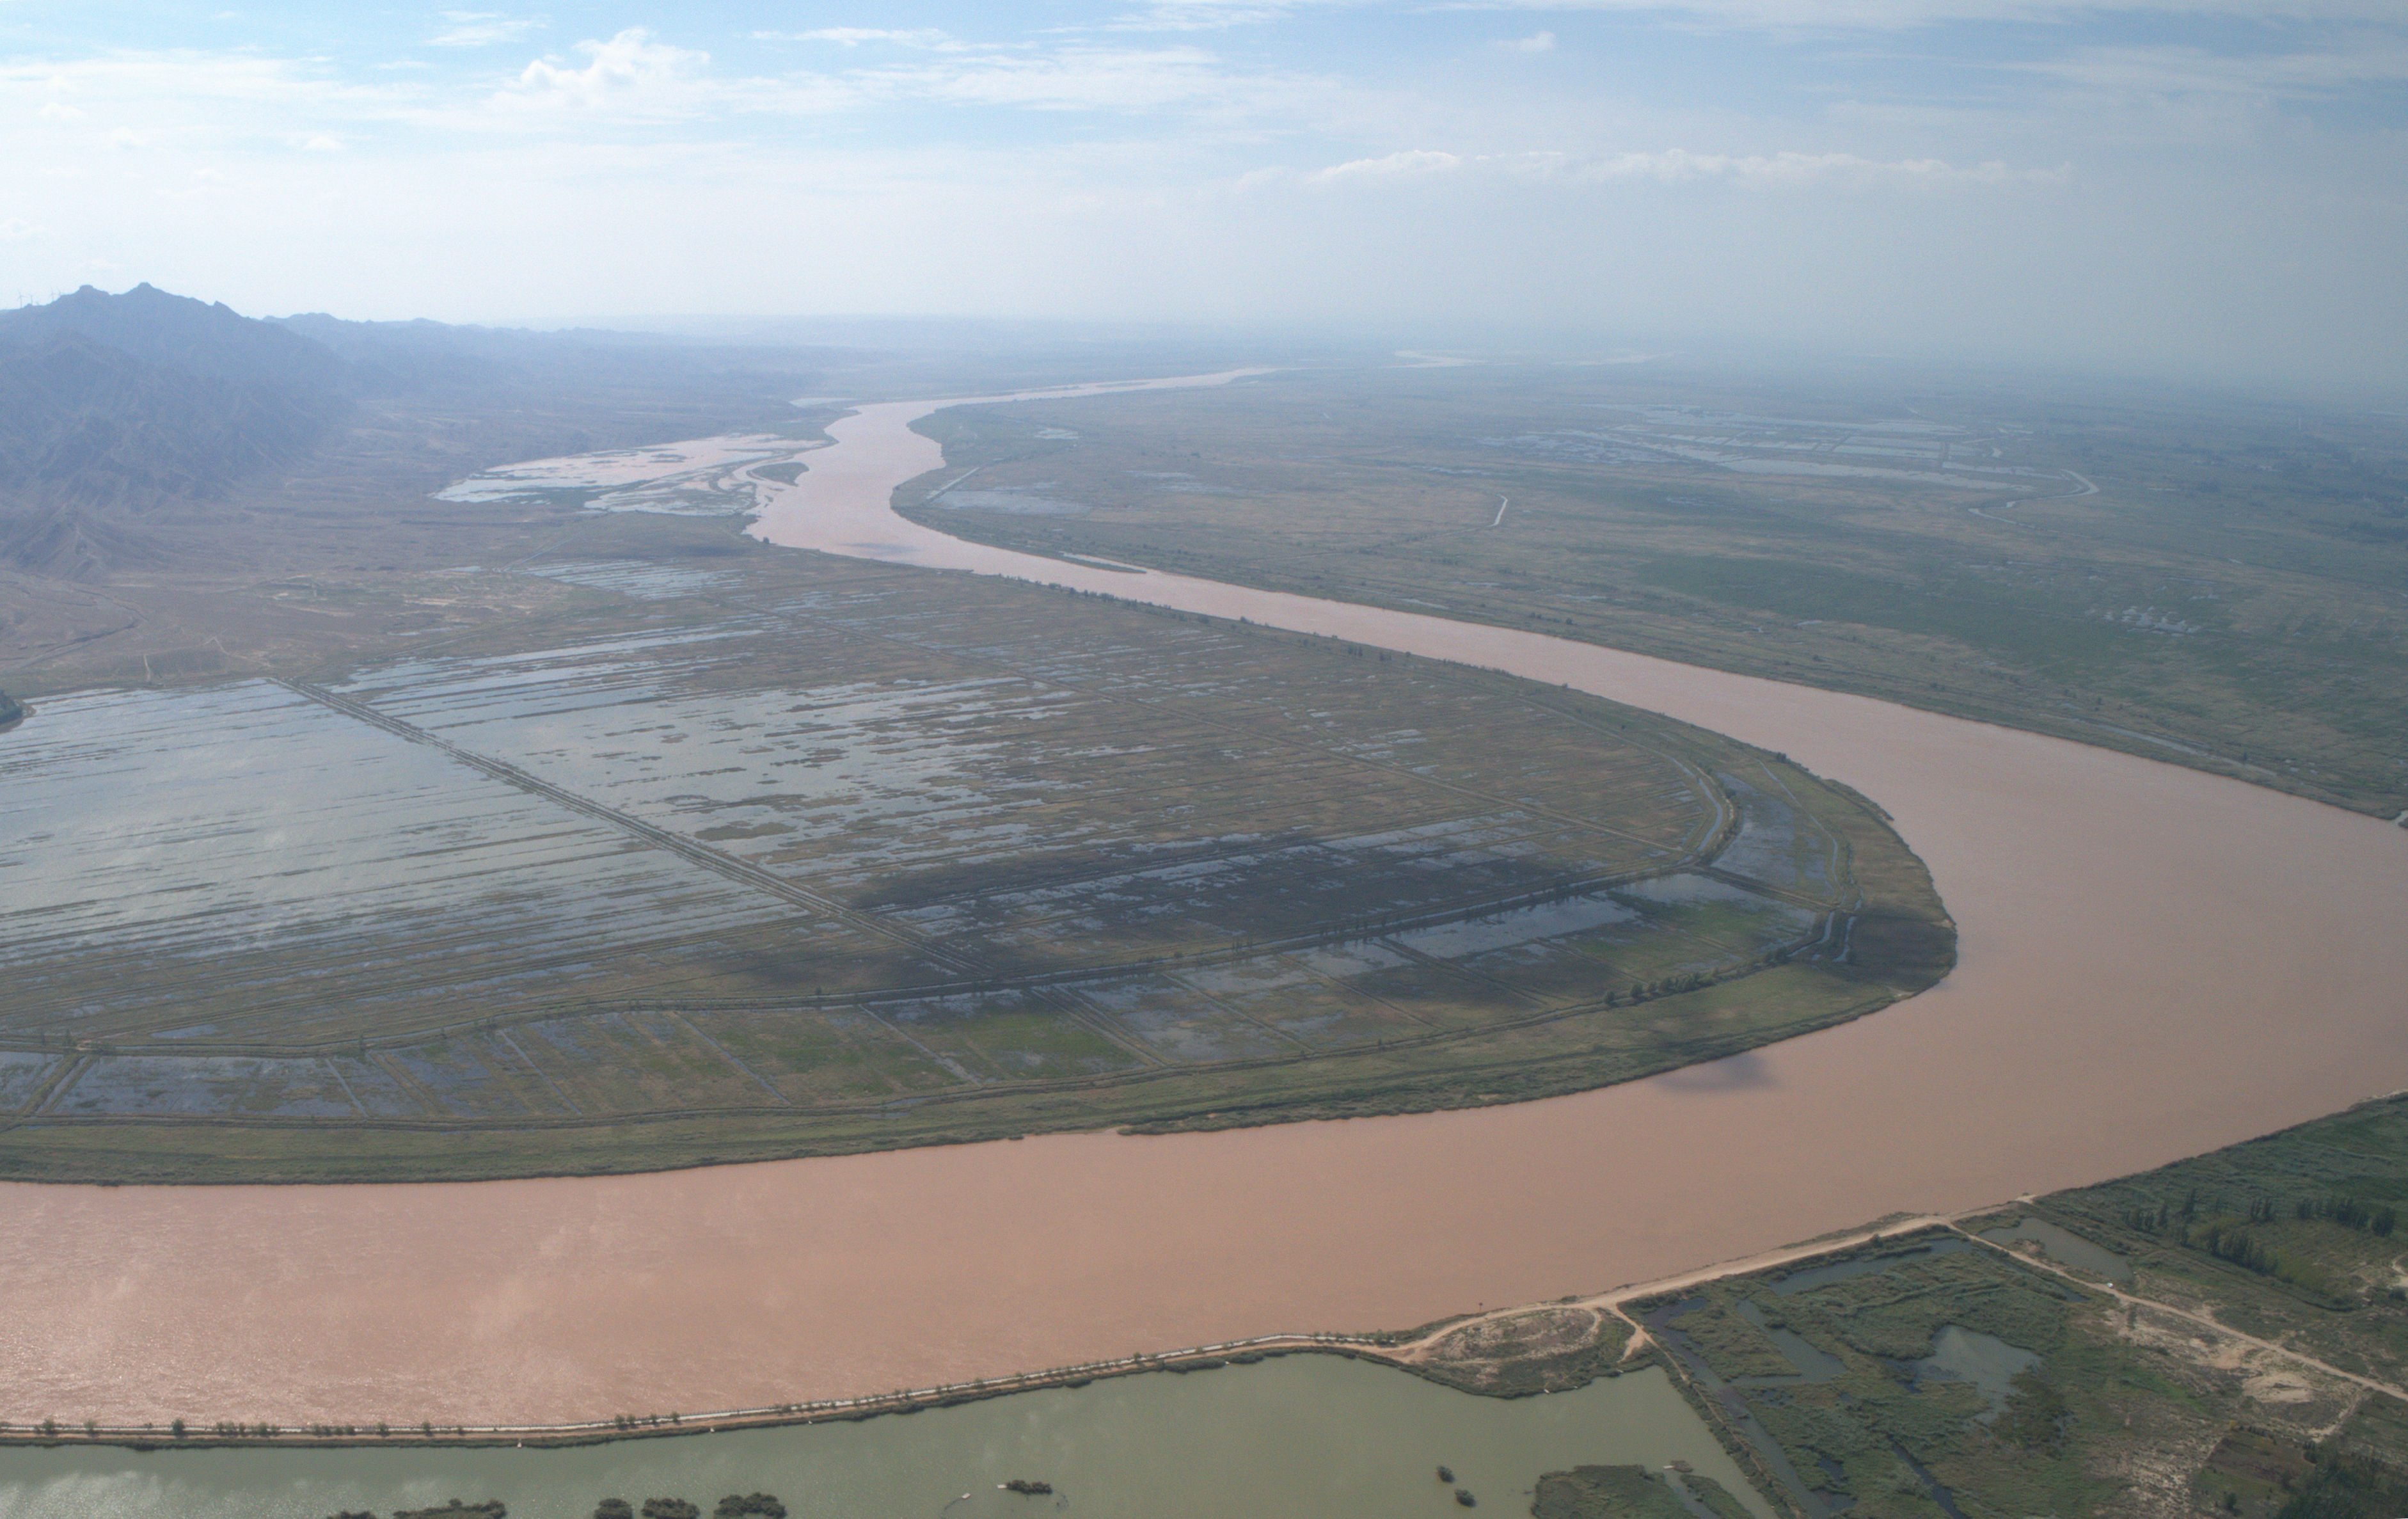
x=2156 y=962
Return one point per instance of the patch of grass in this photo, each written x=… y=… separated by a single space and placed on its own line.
x=1546 y=1349
x=1606 y=1493
x=2346 y=1486
x=2018 y=625
x=2296 y=1230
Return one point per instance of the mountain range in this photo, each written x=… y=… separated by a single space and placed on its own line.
x=115 y=406
x=122 y=415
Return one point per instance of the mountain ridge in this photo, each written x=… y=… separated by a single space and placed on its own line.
x=148 y=429
x=113 y=406
x=178 y=332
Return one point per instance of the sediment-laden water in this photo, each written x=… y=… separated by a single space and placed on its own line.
x=1306 y=1434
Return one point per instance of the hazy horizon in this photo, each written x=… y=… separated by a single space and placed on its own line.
x=2192 y=188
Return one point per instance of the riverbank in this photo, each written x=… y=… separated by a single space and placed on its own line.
x=1438 y=1351
x=1251 y=1439
x=234 y=1435
x=2168 y=619
x=1434 y=1352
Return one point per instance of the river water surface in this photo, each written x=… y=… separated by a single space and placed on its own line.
x=1307 y=1434
x=2155 y=963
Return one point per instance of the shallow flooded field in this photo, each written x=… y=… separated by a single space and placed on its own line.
x=242 y=863
x=784 y=838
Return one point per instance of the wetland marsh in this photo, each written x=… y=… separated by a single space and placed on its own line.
x=2224 y=1334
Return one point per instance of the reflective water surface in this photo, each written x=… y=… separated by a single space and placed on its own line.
x=1303 y=1436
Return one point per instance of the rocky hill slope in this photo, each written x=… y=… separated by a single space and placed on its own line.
x=113 y=407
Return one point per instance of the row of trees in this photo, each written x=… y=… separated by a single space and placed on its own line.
x=236 y=1429
x=734 y=1505
x=2349 y=1212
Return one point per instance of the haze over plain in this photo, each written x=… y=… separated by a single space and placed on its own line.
x=2200 y=187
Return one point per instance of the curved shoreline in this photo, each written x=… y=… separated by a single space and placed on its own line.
x=1387 y=1350
x=2154 y=962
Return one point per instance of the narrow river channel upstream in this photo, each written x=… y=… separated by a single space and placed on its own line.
x=2155 y=961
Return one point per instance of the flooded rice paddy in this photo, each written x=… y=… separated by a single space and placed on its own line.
x=765 y=842
x=2155 y=961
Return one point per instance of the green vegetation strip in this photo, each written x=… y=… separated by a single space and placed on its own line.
x=2224 y=1335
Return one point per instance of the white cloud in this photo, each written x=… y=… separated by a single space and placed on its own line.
x=1091 y=78
x=118 y=77
x=1854 y=194
x=227 y=98
x=1412 y=162
x=1201 y=15
x=2174 y=70
x=853 y=36
x=1898 y=15
x=480 y=29
x=1677 y=165
x=1535 y=42
x=194 y=96
x=1782 y=15
x=630 y=74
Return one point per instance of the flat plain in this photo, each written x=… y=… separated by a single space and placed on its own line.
x=2202 y=580
x=837 y=856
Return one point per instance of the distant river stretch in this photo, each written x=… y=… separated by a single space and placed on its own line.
x=2155 y=961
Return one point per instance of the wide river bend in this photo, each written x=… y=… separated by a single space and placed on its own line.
x=2155 y=961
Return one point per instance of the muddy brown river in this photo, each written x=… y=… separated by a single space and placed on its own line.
x=2155 y=961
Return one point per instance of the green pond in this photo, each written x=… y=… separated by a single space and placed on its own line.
x=1309 y=1436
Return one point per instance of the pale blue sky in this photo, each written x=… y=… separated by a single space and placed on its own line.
x=2199 y=186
